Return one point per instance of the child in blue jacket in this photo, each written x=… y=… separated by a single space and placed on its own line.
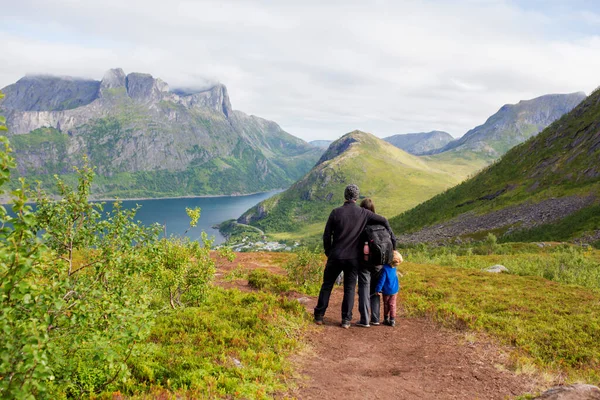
x=389 y=286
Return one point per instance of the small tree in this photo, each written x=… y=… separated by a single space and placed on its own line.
x=26 y=299
x=183 y=268
x=491 y=243
x=102 y=311
x=306 y=270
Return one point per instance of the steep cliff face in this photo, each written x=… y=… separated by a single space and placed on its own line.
x=515 y=123
x=146 y=140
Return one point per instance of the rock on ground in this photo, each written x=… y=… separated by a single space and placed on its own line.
x=496 y=269
x=571 y=392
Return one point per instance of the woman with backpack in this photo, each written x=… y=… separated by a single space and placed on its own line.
x=375 y=271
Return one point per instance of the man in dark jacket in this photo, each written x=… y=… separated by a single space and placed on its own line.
x=344 y=253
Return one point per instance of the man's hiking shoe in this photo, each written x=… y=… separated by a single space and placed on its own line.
x=345 y=324
x=375 y=323
x=319 y=320
x=362 y=325
x=386 y=321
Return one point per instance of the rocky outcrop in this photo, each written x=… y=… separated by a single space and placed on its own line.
x=254 y=214
x=420 y=143
x=143 y=87
x=113 y=79
x=338 y=147
x=577 y=391
x=522 y=216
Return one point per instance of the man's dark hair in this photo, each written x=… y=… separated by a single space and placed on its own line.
x=351 y=193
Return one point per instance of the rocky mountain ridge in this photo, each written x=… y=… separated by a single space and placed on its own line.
x=420 y=143
x=148 y=141
x=513 y=124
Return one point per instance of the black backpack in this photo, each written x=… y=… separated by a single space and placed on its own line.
x=381 y=249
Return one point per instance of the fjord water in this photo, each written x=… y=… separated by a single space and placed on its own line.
x=171 y=212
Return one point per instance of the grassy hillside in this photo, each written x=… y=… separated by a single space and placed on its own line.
x=394 y=179
x=563 y=160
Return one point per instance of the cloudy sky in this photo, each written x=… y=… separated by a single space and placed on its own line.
x=322 y=68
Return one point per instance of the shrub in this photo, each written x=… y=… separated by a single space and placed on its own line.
x=26 y=300
x=182 y=270
x=101 y=301
x=306 y=270
x=264 y=280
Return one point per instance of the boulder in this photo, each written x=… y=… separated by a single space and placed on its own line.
x=496 y=269
x=571 y=392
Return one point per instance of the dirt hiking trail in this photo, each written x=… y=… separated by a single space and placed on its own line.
x=417 y=359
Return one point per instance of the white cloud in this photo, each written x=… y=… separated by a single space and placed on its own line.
x=319 y=69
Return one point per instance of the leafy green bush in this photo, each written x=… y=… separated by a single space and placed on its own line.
x=103 y=300
x=27 y=298
x=306 y=270
x=182 y=270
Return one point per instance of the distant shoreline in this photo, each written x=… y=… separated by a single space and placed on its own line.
x=5 y=201
x=208 y=196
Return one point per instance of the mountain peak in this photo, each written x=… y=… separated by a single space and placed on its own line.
x=420 y=143
x=113 y=78
x=515 y=123
x=142 y=86
x=342 y=144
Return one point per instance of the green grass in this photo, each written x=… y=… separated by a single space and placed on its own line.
x=556 y=327
x=565 y=264
x=236 y=345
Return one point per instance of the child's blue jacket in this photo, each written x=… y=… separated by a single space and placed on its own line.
x=388 y=281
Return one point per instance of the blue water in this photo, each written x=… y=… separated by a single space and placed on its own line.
x=214 y=210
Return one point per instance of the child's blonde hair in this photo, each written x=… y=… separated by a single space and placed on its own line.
x=397 y=258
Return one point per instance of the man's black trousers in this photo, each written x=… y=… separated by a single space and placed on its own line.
x=351 y=269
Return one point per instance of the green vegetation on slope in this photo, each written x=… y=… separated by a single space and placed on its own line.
x=562 y=160
x=556 y=327
x=394 y=179
x=211 y=351
x=157 y=325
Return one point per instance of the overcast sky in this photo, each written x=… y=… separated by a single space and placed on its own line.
x=322 y=68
